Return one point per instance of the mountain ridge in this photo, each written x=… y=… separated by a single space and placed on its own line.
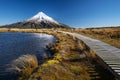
x=40 y=20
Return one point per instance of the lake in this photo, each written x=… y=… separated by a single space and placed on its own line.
x=13 y=45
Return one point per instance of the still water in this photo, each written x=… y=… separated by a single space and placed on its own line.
x=13 y=45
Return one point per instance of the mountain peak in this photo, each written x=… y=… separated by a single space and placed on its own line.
x=41 y=13
x=40 y=20
x=42 y=17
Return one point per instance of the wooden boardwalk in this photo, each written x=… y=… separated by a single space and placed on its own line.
x=109 y=55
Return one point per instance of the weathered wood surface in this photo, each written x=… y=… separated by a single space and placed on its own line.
x=108 y=54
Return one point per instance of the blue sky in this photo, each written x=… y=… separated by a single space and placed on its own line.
x=75 y=13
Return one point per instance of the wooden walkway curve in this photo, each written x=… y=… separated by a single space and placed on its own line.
x=109 y=55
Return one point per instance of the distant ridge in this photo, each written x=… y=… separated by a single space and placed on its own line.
x=40 y=20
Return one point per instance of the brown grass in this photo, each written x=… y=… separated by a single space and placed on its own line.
x=109 y=35
x=71 y=59
x=24 y=65
x=66 y=54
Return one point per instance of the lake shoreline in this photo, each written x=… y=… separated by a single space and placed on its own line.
x=14 y=45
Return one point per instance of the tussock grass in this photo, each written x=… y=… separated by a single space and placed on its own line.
x=24 y=65
x=71 y=60
x=66 y=54
x=110 y=35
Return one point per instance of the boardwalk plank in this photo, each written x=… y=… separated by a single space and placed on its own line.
x=109 y=54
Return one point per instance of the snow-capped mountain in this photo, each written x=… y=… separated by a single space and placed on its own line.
x=40 y=20
x=42 y=17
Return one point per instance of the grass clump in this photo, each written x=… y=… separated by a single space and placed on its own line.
x=58 y=57
x=56 y=60
x=24 y=65
x=50 y=62
x=76 y=69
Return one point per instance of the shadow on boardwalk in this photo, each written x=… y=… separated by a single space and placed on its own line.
x=97 y=72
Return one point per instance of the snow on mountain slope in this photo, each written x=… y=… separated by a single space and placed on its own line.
x=40 y=20
x=42 y=17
